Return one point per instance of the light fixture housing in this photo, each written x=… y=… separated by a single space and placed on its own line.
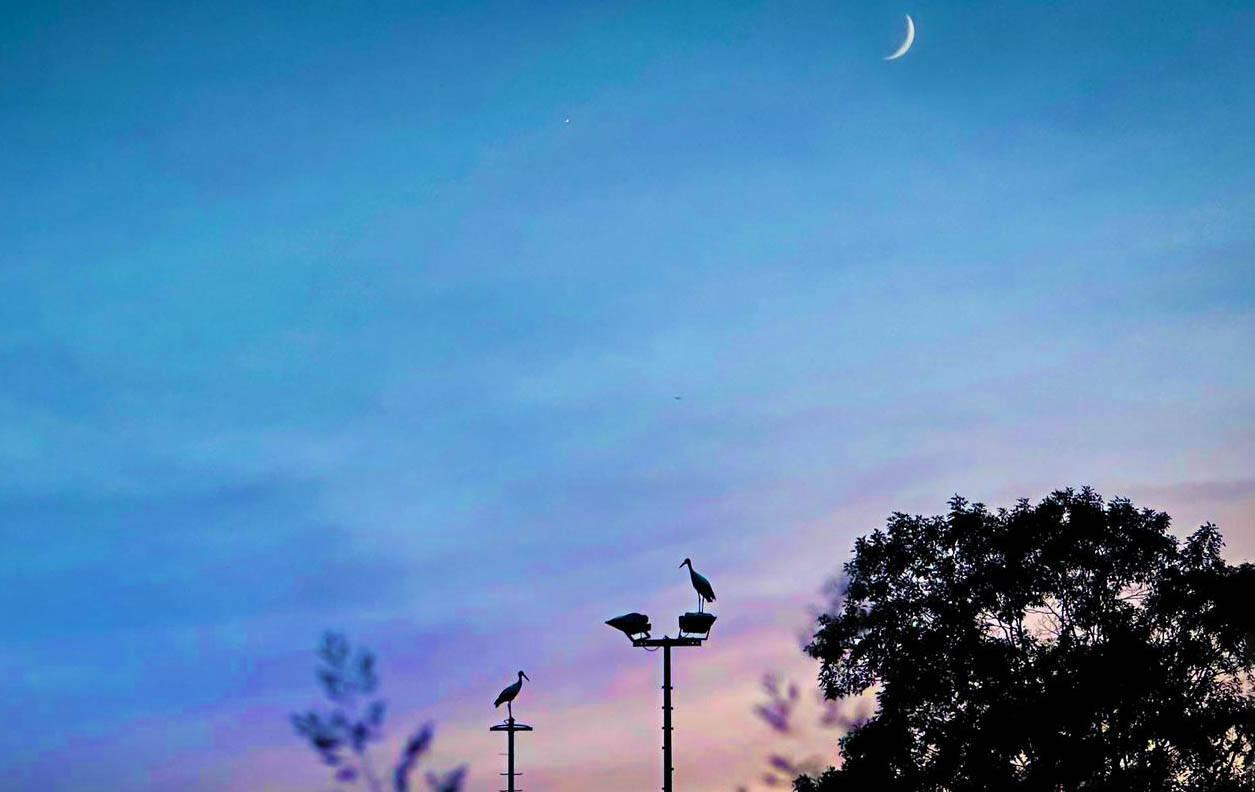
x=696 y=624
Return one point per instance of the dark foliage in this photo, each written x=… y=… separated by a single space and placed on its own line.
x=1069 y=645
x=341 y=736
x=780 y=714
x=782 y=700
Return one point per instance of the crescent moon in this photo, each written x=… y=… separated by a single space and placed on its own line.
x=910 y=39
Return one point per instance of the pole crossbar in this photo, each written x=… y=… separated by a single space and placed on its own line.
x=654 y=643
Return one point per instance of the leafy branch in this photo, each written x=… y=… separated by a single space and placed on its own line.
x=342 y=734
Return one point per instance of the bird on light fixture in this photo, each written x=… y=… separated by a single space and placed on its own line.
x=508 y=695
x=631 y=624
x=705 y=592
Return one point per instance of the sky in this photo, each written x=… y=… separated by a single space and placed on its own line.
x=456 y=326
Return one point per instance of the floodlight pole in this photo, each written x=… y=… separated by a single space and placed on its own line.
x=666 y=643
x=510 y=727
x=667 y=768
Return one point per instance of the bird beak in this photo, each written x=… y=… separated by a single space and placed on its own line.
x=525 y=676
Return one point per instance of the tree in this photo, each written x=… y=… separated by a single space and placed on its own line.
x=1069 y=645
x=342 y=736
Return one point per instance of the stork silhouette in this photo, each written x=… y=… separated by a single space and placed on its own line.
x=631 y=624
x=508 y=695
x=705 y=592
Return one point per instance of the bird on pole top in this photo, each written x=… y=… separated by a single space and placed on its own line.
x=633 y=625
x=511 y=692
x=705 y=592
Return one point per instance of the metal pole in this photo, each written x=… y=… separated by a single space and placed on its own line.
x=666 y=718
x=510 y=760
x=510 y=727
x=666 y=643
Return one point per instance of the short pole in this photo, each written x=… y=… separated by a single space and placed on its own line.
x=510 y=757
x=510 y=727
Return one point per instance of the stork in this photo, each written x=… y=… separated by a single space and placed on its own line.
x=705 y=593
x=631 y=624
x=508 y=695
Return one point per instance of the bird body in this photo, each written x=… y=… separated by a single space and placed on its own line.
x=508 y=695
x=631 y=624
x=705 y=592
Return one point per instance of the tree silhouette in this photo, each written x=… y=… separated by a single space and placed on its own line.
x=342 y=735
x=1069 y=645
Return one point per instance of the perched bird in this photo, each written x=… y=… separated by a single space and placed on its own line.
x=508 y=695
x=705 y=592
x=631 y=624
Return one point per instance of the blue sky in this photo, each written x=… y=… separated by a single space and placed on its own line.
x=317 y=315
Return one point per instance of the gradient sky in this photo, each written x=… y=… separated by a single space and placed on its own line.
x=373 y=316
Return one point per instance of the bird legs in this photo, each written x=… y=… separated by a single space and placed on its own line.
x=509 y=708
x=701 y=603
